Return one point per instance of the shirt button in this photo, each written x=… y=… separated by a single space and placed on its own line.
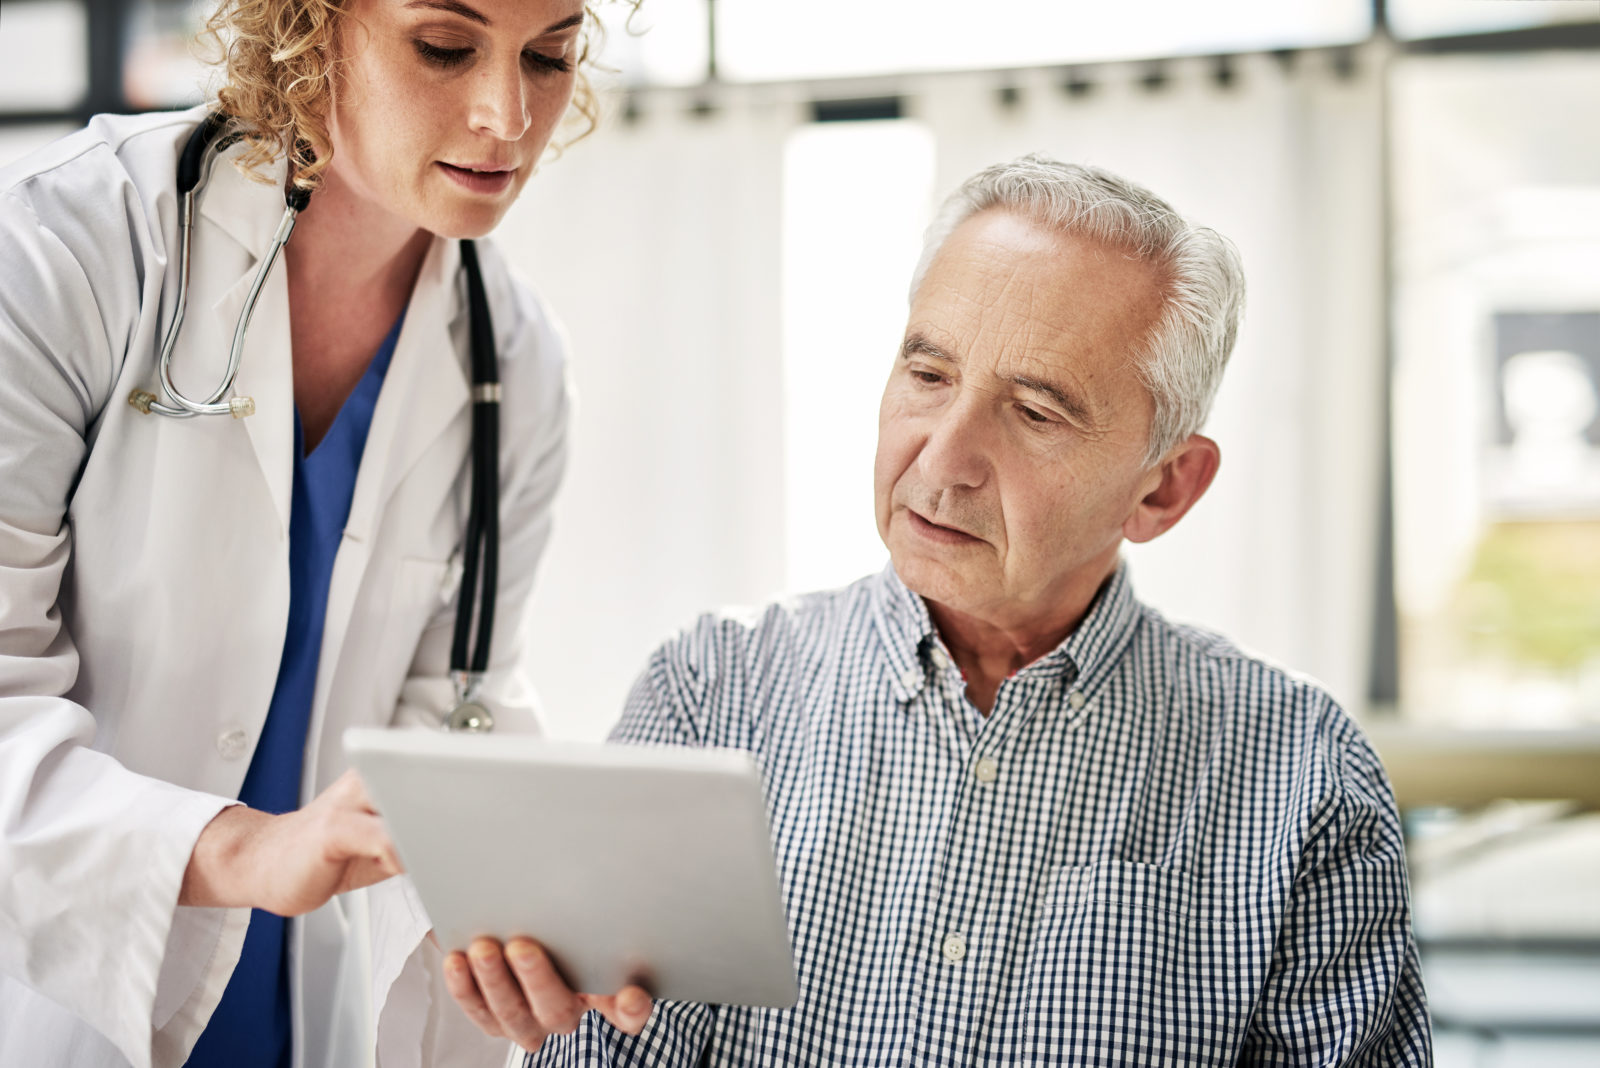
x=1076 y=700
x=939 y=658
x=232 y=744
x=911 y=680
x=954 y=948
x=987 y=769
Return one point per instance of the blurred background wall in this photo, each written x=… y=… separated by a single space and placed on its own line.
x=1409 y=504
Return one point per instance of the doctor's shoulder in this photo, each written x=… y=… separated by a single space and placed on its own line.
x=114 y=174
x=525 y=329
x=533 y=348
x=84 y=228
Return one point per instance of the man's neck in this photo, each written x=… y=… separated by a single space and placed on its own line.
x=988 y=651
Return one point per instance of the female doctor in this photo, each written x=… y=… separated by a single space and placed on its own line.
x=193 y=607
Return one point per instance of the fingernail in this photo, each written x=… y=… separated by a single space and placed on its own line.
x=521 y=954
x=482 y=951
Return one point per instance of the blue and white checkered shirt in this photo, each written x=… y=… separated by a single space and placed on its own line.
x=1156 y=850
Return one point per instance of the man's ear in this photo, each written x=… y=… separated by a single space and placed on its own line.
x=1180 y=480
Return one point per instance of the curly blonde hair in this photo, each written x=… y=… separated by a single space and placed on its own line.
x=278 y=64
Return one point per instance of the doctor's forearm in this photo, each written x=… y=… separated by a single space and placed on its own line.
x=214 y=877
x=293 y=863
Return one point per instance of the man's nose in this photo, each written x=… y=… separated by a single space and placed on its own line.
x=500 y=99
x=957 y=450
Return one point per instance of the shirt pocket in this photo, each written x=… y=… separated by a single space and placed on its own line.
x=1132 y=964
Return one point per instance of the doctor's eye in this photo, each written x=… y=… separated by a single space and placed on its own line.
x=443 y=58
x=551 y=64
x=1033 y=415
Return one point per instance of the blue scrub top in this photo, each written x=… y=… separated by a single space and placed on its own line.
x=251 y=1027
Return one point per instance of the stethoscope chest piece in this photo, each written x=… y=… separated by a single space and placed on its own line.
x=469 y=717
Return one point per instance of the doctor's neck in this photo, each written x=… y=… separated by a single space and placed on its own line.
x=347 y=247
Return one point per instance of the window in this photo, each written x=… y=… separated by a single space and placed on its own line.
x=1497 y=390
x=856 y=196
x=46 y=67
x=1412 y=19
x=664 y=42
x=759 y=40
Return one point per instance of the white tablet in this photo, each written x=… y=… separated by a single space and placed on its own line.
x=648 y=864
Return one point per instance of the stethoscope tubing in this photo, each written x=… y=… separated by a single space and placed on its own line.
x=483 y=516
x=469 y=659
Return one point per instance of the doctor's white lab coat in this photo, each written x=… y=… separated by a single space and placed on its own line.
x=144 y=593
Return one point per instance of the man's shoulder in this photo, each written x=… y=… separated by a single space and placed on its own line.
x=810 y=618
x=1238 y=681
x=777 y=634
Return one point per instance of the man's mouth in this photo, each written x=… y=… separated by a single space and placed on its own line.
x=938 y=531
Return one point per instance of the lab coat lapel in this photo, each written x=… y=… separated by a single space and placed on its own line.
x=424 y=392
x=249 y=213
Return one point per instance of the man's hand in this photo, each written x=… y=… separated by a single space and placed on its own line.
x=517 y=993
x=293 y=863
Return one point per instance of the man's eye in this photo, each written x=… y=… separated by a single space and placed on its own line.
x=1032 y=415
x=928 y=378
x=442 y=57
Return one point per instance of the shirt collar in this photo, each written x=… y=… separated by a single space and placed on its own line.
x=1087 y=655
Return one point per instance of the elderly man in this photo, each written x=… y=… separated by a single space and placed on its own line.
x=1021 y=818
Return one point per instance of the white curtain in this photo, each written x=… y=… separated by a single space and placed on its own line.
x=657 y=242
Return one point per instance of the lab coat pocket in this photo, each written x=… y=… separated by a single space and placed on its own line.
x=1131 y=964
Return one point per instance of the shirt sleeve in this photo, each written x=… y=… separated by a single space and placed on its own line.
x=678 y=1031
x=1345 y=987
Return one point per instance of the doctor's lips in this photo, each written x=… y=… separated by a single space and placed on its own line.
x=480 y=177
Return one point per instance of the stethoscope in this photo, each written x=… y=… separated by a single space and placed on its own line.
x=481 y=553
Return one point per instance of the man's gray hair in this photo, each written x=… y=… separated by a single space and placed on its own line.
x=1181 y=361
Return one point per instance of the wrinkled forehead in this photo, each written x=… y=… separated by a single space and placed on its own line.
x=1004 y=287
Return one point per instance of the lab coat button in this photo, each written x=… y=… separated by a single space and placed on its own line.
x=954 y=948
x=233 y=744
x=987 y=769
x=1076 y=700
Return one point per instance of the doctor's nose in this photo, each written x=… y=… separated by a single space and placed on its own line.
x=500 y=101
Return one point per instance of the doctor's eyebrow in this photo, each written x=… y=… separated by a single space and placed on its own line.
x=456 y=7
x=1072 y=407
